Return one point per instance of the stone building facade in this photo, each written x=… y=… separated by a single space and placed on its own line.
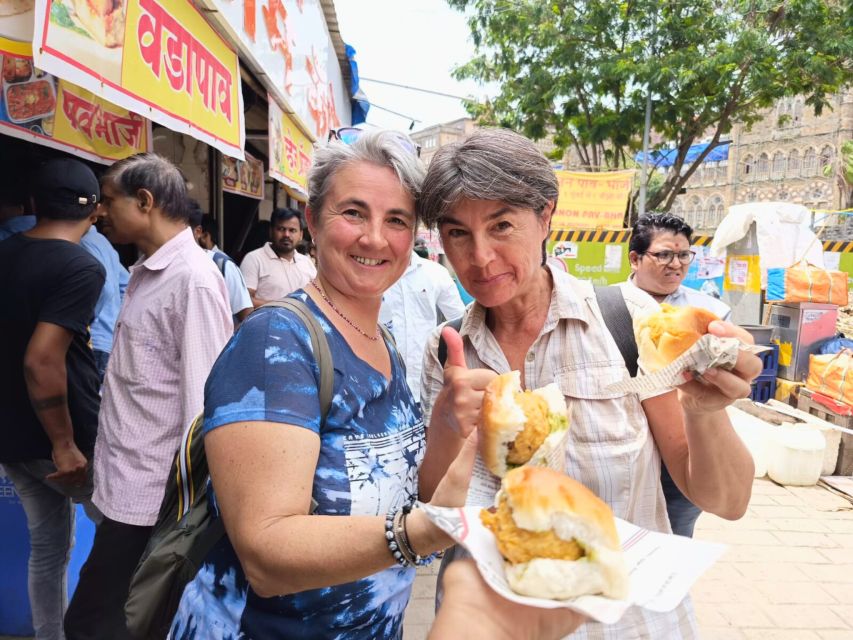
x=438 y=135
x=780 y=158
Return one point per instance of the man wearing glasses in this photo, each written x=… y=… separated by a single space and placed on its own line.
x=660 y=256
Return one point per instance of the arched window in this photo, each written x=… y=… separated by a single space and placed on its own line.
x=715 y=211
x=794 y=163
x=763 y=168
x=695 y=212
x=676 y=208
x=710 y=172
x=779 y=162
x=798 y=110
x=748 y=168
x=784 y=112
x=809 y=162
x=722 y=172
x=826 y=156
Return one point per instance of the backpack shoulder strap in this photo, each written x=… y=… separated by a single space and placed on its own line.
x=319 y=344
x=389 y=338
x=618 y=321
x=456 y=323
x=221 y=259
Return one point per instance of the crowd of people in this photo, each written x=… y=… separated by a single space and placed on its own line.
x=321 y=507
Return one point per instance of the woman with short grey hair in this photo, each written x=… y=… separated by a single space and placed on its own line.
x=492 y=197
x=343 y=566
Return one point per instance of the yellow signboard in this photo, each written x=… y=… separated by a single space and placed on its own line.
x=38 y=107
x=243 y=177
x=592 y=200
x=158 y=58
x=290 y=150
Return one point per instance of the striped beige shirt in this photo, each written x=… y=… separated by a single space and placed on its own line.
x=611 y=448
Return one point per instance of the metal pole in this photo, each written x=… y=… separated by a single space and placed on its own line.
x=644 y=176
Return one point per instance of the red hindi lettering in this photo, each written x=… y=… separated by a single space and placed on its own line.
x=292 y=153
x=224 y=83
x=149 y=34
x=249 y=14
x=80 y=112
x=304 y=163
x=179 y=45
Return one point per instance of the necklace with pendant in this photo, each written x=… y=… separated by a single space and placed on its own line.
x=322 y=293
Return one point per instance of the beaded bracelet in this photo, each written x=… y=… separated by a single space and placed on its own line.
x=418 y=561
x=390 y=538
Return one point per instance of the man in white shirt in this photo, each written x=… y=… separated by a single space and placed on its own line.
x=277 y=269
x=238 y=293
x=410 y=310
x=660 y=256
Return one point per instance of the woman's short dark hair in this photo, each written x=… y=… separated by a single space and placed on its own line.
x=649 y=225
x=155 y=174
x=490 y=164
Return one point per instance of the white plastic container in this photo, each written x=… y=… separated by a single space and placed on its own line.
x=755 y=434
x=795 y=455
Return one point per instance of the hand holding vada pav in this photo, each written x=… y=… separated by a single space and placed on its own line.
x=558 y=538
x=665 y=335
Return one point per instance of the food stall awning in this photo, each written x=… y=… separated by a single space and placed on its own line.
x=160 y=59
x=359 y=100
x=666 y=157
x=295 y=50
x=40 y=108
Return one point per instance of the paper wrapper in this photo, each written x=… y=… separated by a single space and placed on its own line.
x=662 y=567
x=709 y=351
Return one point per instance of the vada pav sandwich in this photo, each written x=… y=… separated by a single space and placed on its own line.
x=666 y=334
x=518 y=425
x=558 y=538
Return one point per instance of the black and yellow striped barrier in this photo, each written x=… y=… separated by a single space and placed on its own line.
x=590 y=236
x=838 y=246
x=615 y=237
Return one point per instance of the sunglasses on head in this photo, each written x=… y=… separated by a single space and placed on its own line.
x=348 y=135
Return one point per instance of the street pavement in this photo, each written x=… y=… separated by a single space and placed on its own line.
x=787 y=573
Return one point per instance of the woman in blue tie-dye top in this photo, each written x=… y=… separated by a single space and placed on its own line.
x=346 y=571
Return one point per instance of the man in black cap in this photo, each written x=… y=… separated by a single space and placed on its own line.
x=49 y=384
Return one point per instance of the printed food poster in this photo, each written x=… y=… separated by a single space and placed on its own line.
x=16 y=19
x=244 y=178
x=160 y=59
x=38 y=107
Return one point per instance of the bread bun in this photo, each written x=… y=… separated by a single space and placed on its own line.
x=104 y=20
x=668 y=333
x=519 y=426
x=548 y=510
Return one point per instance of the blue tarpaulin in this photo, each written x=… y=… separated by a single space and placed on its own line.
x=666 y=157
x=358 y=100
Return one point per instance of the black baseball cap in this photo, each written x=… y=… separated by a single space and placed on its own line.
x=66 y=181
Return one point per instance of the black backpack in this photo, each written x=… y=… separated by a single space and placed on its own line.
x=186 y=529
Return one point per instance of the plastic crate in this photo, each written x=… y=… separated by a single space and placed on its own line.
x=770 y=360
x=763 y=388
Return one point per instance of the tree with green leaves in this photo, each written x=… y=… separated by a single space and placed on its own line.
x=582 y=70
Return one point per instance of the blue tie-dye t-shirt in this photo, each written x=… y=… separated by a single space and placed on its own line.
x=371 y=446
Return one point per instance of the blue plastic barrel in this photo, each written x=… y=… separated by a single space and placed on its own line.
x=15 y=614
